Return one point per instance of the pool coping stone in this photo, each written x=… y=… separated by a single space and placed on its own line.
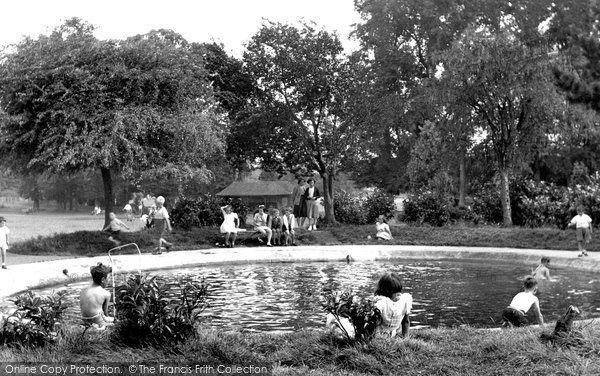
x=19 y=278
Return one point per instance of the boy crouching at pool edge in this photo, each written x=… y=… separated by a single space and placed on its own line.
x=94 y=299
x=514 y=314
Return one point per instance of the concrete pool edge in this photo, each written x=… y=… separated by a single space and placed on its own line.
x=19 y=278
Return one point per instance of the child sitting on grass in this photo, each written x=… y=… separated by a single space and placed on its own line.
x=383 y=229
x=114 y=229
x=94 y=299
x=394 y=305
x=514 y=314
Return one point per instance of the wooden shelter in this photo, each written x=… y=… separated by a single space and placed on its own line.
x=276 y=194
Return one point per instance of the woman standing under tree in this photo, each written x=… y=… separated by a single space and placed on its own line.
x=298 y=201
x=311 y=195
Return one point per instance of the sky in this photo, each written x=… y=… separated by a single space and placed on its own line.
x=230 y=22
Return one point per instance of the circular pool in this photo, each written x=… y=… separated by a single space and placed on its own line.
x=286 y=296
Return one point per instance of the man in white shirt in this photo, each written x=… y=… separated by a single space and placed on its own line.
x=583 y=225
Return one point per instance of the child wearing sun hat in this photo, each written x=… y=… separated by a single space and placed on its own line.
x=4 y=231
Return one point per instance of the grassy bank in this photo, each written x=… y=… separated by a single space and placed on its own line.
x=427 y=352
x=87 y=243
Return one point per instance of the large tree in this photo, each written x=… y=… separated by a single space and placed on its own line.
x=298 y=121
x=508 y=89
x=73 y=102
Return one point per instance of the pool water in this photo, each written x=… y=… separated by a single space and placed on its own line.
x=286 y=296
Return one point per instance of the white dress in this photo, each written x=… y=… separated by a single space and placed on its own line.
x=381 y=231
x=392 y=313
x=229 y=223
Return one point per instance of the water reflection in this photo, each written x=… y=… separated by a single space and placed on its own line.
x=283 y=297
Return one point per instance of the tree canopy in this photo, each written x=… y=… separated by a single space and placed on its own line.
x=73 y=102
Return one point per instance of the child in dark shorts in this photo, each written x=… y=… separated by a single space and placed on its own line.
x=114 y=229
x=514 y=314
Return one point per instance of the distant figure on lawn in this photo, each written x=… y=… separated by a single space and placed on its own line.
x=383 y=229
x=4 y=231
x=162 y=225
x=128 y=209
x=96 y=210
x=288 y=227
x=542 y=272
x=311 y=195
x=230 y=225
x=514 y=314
x=261 y=224
x=94 y=299
x=394 y=305
x=583 y=226
x=114 y=229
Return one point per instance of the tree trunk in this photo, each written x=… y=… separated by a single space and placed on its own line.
x=537 y=168
x=461 y=181
x=328 y=197
x=36 y=203
x=505 y=197
x=108 y=194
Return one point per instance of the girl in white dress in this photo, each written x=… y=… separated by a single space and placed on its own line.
x=394 y=306
x=229 y=226
x=383 y=230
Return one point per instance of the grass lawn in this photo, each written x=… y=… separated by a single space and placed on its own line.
x=427 y=352
x=54 y=233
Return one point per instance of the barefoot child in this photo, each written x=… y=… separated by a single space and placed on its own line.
x=114 y=229
x=583 y=225
x=94 y=299
x=393 y=305
x=514 y=314
x=4 y=231
x=289 y=226
x=162 y=224
x=230 y=224
x=276 y=225
x=542 y=272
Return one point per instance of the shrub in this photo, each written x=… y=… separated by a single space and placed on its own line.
x=152 y=311
x=205 y=211
x=379 y=203
x=361 y=312
x=427 y=207
x=35 y=320
x=348 y=209
x=361 y=209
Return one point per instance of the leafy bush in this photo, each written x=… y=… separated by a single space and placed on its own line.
x=379 y=203
x=348 y=209
x=205 y=211
x=152 y=311
x=362 y=208
x=35 y=320
x=537 y=204
x=427 y=207
x=361 y=312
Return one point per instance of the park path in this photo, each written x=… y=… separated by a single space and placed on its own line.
x=15 y=259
